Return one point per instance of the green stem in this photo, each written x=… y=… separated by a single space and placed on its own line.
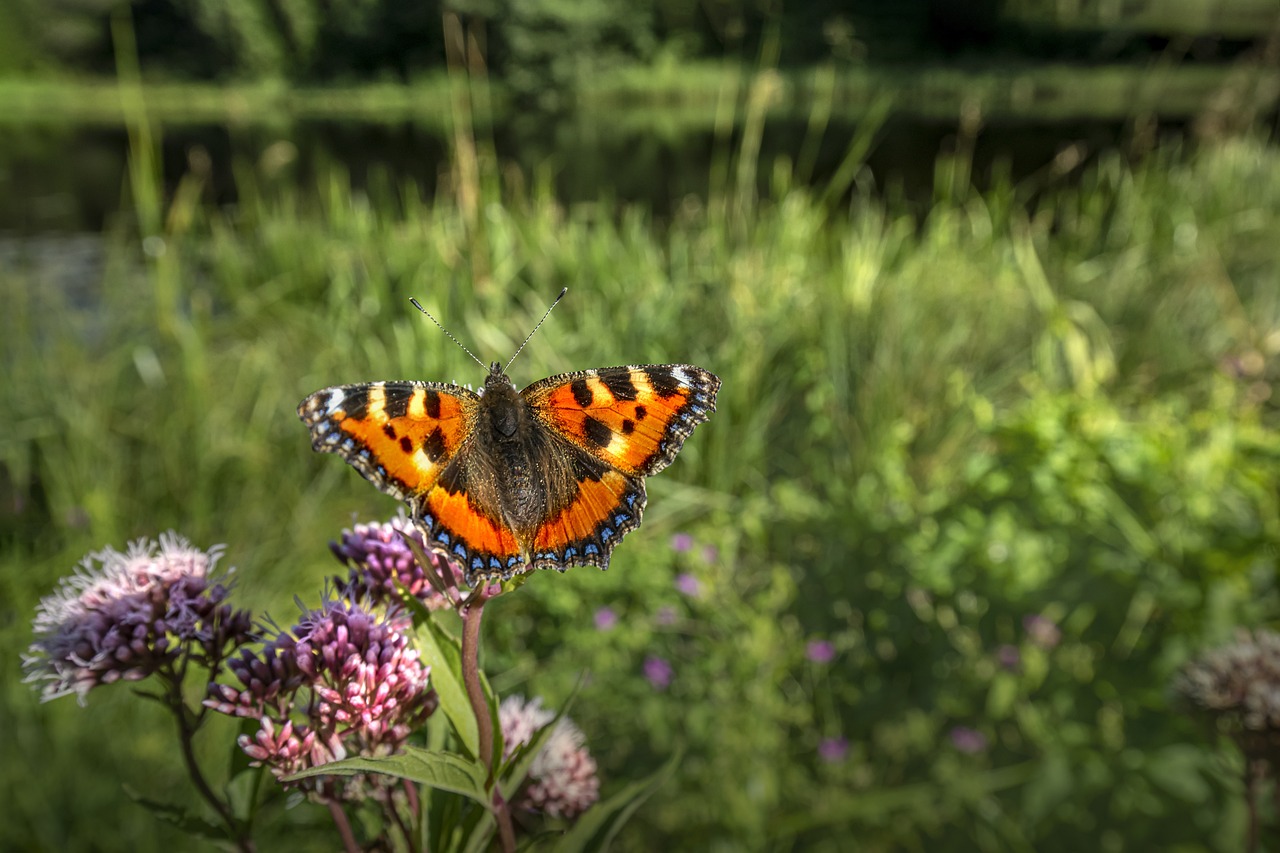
x=472 y=612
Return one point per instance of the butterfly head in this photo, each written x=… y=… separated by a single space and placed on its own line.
x=497 y=378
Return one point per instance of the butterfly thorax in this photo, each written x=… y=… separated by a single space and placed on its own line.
x=513 y=451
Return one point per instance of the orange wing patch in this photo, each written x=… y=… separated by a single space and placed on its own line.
x=607 y=505
x=399 y=435
x=481 y=544
x=632 y=418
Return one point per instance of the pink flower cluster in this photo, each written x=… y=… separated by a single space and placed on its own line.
x=343 y=681
x=123 y=617
x=379 y=560
x=562 y=781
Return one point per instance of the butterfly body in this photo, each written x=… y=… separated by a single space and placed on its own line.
x=505 y=481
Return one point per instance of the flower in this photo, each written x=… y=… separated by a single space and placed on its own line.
x=820 y=651
x=1238 y=685
x=967 y=740
x=681 y=542
x=1009 y=657
x=666 y=615
x=710 y=553
x=1042 y=630
x=562 y=780
x=343 y=681
x=688 y=584
x=833 y=749
x=658 y=671
x=379 y=559
x=127 y=616
x=606 y=619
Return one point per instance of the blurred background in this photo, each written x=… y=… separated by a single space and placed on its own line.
x=993 y=288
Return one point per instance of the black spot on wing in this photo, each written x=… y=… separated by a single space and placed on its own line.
x=397 y=406
x=434 y=445
x=641 y=413
x=432 y=404
x=581 y=393
x=628 y=426
x=663 y=381
x=389 y=431
x=405 y=444
x=598 y=433
x=620 y=385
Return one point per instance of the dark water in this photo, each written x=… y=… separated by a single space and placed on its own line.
x=72 y=179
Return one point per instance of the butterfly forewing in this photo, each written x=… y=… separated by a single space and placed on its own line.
x=399 y=435
x=634 y=418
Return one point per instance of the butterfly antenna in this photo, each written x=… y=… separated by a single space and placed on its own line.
x=563 y=291
x=447 y=332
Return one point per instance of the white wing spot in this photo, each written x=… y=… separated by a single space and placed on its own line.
x=335 y=401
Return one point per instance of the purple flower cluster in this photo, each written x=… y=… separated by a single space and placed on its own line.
x=123 y=617
x=379 y=560
x=562 y=780
x=343 y=681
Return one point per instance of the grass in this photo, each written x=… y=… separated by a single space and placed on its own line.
x=864 y=354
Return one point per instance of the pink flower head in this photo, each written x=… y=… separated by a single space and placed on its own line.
x=606 y=619
x=343 y=681
x=833 y=749
x=820 y=651
x=681 y=543
x=1042 y=630
x=967 y=740
x=688 y=584
x=126 y=616
x=562 y=780
x=379 y=559
x=658 y=671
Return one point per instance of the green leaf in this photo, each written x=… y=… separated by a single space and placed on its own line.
x=444 y=655
x=597 y=827
x=444 y=770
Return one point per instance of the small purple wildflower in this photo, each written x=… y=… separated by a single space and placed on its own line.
x=833 y=749
x=1042 y=630
x=710 y=553
x=688 y=584
x=820 y=651
x=123 y=617
x=658 y=671
x=967 y=740
x=343 y=681
x=1009 y=657
x=379 y=559
x=562 y=780
x=666 y=615
x=606 y=619
x=681 y=543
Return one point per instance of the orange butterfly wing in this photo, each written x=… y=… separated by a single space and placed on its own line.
x=623 y=424
x=405 y=438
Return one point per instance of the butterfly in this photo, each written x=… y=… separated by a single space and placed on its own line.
x=505 y=481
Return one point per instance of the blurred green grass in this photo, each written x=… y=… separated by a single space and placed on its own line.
x=865 y=353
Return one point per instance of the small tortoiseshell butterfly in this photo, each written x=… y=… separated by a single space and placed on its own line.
x=504 y=481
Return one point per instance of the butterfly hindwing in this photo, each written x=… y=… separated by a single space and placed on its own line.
x=633 y=418
x=400 y=435
x=600 y=506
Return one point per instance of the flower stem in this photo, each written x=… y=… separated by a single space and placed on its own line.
x=472 y=612
x=349 y=842
x=186 y=737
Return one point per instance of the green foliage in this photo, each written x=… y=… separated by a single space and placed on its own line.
x=929 y=430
